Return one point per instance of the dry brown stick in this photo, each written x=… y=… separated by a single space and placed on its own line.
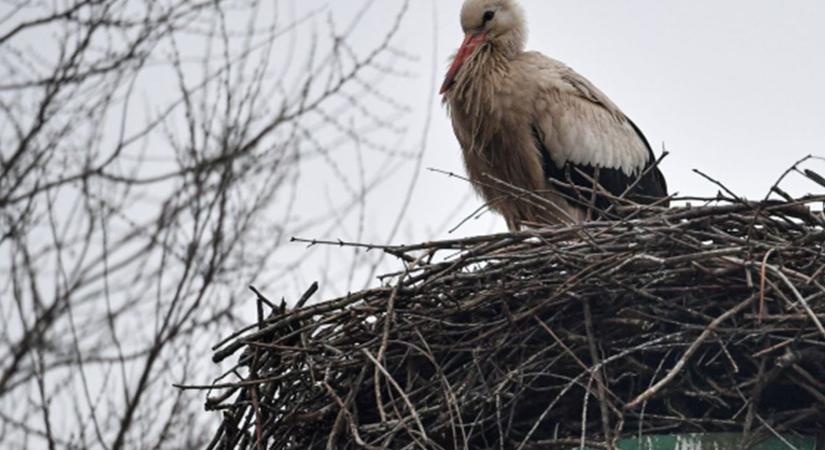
x=257 y=412
x=253 y=390
x=597 y=364
x=754 y=400
x=400 y=391
x=711 y=328
x=764 y=277
x=585 y=404
x=776 y=433
x=348 y=415
x=385 y=339
x=600 y=380
x=799 y=297
x=232 y=344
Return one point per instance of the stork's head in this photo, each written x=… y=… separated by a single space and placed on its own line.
x=499 y=24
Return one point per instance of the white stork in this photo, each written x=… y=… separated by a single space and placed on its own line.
x=539 y=127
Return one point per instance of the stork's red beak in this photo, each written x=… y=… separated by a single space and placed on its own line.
x=471 y=41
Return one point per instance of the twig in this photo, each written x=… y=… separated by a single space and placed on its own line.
x=711 y=328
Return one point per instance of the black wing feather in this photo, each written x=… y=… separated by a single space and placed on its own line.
x=576 y=182
x=653 y=186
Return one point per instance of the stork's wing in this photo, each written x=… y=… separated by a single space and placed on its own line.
x=581 y=184
x=583 y=136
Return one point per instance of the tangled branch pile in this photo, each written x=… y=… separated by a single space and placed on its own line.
x=694 y=319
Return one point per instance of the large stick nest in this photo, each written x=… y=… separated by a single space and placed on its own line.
x=692 y=319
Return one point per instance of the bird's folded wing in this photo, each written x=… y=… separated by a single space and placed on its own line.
x=580 y=125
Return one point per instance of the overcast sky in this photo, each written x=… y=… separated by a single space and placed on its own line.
x=734 y=87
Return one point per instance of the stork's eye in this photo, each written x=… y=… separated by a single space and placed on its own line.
x=488 y=16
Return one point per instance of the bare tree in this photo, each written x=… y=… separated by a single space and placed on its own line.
x=151 y=157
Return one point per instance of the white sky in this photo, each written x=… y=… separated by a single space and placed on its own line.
x=734 y=88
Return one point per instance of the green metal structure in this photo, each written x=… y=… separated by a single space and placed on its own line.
x=730 y=441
